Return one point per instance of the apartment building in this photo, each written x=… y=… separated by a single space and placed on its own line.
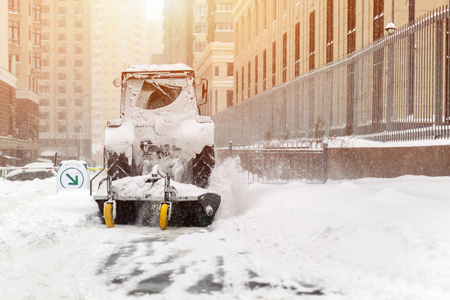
x=215 y=64
x=178 y=33
x=65 y=79
x=20 y=27
x=119 y=39
x=278 y=40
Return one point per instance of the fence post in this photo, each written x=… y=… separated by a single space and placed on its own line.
x=230 y=149
x=329 y=99
x=439 y=51
x=324 y=162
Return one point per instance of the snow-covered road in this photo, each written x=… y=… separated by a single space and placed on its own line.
x=361 y=239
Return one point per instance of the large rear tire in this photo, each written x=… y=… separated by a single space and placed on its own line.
x=202 y=166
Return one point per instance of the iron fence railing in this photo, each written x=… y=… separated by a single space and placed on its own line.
x=396 y=89
x=278 y=165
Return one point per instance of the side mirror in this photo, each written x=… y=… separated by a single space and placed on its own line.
x=204 y=89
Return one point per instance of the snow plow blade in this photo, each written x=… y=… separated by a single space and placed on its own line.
x=138 y=200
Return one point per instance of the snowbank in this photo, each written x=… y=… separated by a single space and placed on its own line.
x=361 y=239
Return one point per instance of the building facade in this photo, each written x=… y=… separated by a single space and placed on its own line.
x=119 y=39
x=215 y=65
x=178 y=32
x=276 y=41
x=20 y=27
x=65 y=79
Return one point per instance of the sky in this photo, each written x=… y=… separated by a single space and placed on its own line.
x=154 y=8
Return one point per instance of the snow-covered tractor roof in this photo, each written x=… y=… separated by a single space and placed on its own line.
x=158 y=68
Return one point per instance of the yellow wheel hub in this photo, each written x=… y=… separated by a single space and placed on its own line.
x=163 y=216
x=108 y=214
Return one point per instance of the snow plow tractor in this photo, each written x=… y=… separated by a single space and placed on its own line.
x=159 y=155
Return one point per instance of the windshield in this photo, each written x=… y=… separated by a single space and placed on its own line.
x=154 y=95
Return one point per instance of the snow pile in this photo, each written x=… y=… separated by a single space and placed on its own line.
x=361 y=239
x=354 y=142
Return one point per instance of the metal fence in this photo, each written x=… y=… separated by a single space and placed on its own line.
x=396 y=89
x=273 y=165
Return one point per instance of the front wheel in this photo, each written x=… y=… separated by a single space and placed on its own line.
x=163 y=216
x=108 y=215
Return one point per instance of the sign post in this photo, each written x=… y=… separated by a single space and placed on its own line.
x=72 y=175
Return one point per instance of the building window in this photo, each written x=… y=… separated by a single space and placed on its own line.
x=297 y=49
x=274 y=9
x=351 y=29
x=312 y=40
x=78 y=50
x=36 y=37
x=44 y=89
x=78 y=63
x=61 y=63
x=224 y=26
x=249 y=30
x=78 y=76
x=61 y=37
x=78 y=37
x=78 y=90
x=249 y=78
x=256 y=18
x=378 y=19
x=14 y=6
x=36 y=62
x=330 y=21
x=13 y=32
x=229 y=98
x=256 y=74
x=62 y=102
x=265 y=14
x=62 y=50
x=216 y=71
x=199 y=47
x=61 y=76
x=200 y=28
x=78 y=24
x=224 y=7
x=78 y=11
x=200 y=9
x=284 y=57
x=61 y=10
x=36 y=13
x=62 y=89
x=61 y=116
x=264 y=69
x=242 y=84
x=44 y=102
x=61 y=129
x=44 y=115
x=229 y=69
x=62 y=23
x=237 y=84
x=274 y=63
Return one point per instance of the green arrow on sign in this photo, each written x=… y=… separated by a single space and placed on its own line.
x=74 y=181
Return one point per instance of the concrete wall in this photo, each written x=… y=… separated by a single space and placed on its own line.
x=352 y=163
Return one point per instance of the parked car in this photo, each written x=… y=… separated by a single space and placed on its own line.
x=37 y=170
